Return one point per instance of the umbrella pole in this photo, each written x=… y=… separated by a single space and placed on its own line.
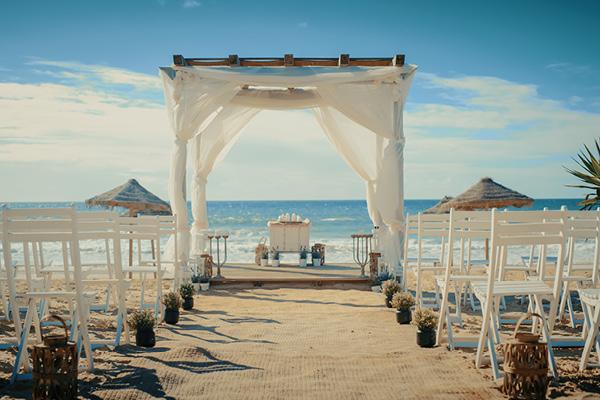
x=132 y=213
x=487 y=249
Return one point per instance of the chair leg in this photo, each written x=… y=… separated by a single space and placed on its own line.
x=563 y=301
x=483 y=335
x=444 y=312
x=547 y=334
x=591 y=339
x=22 y=347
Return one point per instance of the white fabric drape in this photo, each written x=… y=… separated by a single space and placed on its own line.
x=190 y=101
x=358 y=147
x=211 y=146
x=359 y=108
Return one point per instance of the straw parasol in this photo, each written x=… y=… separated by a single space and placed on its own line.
x=483 y=195
x=486 y=194
x=436 y=209
x=132 y=196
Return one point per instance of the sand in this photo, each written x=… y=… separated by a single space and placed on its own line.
x=291 y=344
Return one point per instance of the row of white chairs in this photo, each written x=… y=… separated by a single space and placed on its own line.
x=73 y=285
x=546 y=280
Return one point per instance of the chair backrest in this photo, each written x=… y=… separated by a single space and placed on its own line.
x=583 y=226
x=466 y=226
x=29 y=226
x=527 y=228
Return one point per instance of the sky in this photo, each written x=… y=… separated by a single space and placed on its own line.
x=505 y=89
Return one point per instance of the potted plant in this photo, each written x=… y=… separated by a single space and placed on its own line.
x=204 y=283
x=389 y=288
x=303 y=257
x=402 y=302
x=316 y=258
x=264 y=258
x=275 y=258
x=186 y=291
x=377 y=281
x=196 y=282
x=426 y=322
x=143 y=323
x=172 y=302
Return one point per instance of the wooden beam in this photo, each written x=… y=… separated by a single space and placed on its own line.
x=289 y=60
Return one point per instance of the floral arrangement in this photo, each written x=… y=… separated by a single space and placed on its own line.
x=402 y=301
x=389 y=288
x=141 y=320
x=425 y=319
x=187 y=290
x=172 y=301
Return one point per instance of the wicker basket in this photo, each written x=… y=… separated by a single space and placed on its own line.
x=55 y=365
x=525 y=365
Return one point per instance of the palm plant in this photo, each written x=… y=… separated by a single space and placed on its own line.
x=590 y=176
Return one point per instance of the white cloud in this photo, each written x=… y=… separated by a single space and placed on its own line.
x=74 y=139
x=567 y=67
x=492 y=127
x=191 y=4
x=108 y=75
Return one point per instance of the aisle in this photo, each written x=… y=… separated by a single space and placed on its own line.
x=288 y=344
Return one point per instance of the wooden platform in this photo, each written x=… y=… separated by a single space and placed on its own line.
x=340 y=276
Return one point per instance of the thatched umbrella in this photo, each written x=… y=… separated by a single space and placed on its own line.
x=436 y=209
x=483 y=195
x=134 y=197
x=487 y=194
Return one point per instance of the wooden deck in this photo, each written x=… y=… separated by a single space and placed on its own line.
x=288 y=275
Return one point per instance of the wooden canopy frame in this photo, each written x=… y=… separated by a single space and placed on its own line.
x=344 y=60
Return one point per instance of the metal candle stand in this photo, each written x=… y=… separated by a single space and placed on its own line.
x=361 y=247
x=219 y=263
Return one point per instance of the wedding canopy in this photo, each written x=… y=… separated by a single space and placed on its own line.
x=358 y=103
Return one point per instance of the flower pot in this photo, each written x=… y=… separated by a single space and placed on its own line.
x=388 y=302
x=145 y=338
x=403 y=316
x=426 y=338
x=188 y=303
x=302 y=262
x=197 y=287
x=204 y=286
x=317 y=262
x=264 y=262
x=275 y=263
x=171 y=316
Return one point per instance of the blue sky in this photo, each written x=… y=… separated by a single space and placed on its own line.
x=508 y=89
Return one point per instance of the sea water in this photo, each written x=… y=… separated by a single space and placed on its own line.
x=332 y=223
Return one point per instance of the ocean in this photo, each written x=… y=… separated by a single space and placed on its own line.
x=332 y=223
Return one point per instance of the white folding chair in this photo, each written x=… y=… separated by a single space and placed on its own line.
x=429 y=227
x=140 y=230
x=581 y=230
x=590 y=302
x=26 y=226
x=520 y=228
x=464 y=227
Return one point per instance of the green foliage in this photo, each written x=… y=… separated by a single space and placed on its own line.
x=390 y=288
x=590 y=176
x=303 y=253
x=187 y=290
x=402 y=301
x=172 y=301
x=425 y=319
x=142 y=320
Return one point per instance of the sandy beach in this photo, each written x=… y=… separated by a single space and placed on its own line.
x=291 y=344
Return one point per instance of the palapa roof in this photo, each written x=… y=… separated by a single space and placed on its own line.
x=487 y=194
x=133 y=196
x=437 y=208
